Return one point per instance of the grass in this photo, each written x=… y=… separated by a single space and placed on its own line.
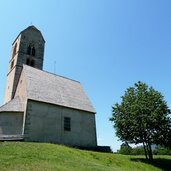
x=22 y=156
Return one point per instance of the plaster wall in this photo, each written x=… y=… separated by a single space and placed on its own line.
x=45 y=123
x=11 y=123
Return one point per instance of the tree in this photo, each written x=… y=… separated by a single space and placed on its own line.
x=139 y=150
x=162 y=151
x=166 y=141
x=125 y=149
x=141 y=117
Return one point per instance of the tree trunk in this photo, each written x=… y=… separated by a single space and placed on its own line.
x=150 y=152
x=145 y=150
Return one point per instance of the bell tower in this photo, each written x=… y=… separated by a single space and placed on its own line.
x=27 y=48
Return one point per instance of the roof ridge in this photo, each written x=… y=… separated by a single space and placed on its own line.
x=31 y=26
x=52 y=73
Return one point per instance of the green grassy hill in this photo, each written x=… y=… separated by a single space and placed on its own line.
x=21 y=156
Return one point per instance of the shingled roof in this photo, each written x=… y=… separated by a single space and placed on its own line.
x=50 y=88
x=15 y=105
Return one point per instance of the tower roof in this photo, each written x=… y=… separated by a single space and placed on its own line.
x=31 y=28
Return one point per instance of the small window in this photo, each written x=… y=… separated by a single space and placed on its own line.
x=12 y=64
x=67 y=124
x=14 y=50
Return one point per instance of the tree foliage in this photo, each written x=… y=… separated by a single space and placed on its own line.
x=125 y=149
x=128 y=150
x=142 y=117
x=162 y=151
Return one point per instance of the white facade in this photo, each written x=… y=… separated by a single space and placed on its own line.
x=45 y=123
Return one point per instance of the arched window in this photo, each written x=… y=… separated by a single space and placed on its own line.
x=32 y=63
x=33 y=51
x=12 y=64
x=14 y=50
x=28 y=61
x=29 y=50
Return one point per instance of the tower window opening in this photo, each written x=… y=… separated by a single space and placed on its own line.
x=14 y=50
x=31 y=50
x=32 y=63
x=28 y=61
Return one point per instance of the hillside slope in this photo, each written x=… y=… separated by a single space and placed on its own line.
x=22 y=156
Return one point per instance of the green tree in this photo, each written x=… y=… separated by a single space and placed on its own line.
x=166 y=142
x=162 y=151
x=141 y=117
x=125 y=149
x=139 y=150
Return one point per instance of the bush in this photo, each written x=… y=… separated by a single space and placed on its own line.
x=162 y=151
x=137 y=151
x=125 y=149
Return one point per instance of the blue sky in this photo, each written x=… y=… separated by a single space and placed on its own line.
x=107 y=45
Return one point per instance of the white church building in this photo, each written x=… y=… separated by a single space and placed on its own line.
x=40 y=106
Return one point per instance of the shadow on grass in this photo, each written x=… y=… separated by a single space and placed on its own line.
x=161 y=163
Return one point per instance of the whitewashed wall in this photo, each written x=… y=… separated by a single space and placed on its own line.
x=45 y=123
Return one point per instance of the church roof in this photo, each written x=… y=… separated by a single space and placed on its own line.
x=15 y=105
x=32 y=27
x=50 y=88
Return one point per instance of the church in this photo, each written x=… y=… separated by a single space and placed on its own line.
x=40 y=106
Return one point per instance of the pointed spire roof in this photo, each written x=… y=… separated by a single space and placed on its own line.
x=31 y=27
